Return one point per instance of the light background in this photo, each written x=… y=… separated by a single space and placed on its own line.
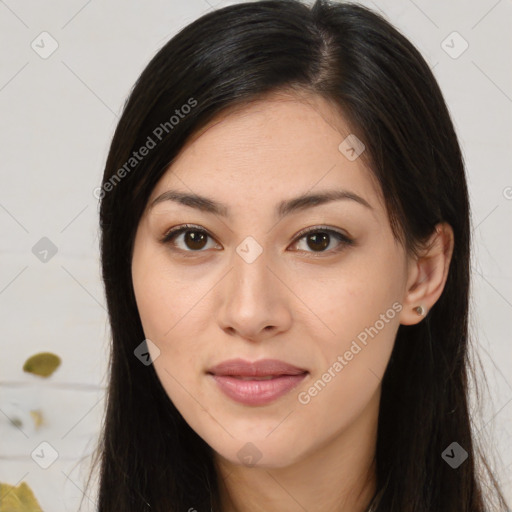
x=57 y=118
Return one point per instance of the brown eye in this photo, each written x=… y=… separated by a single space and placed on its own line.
x=318 y=240
x=194 y=239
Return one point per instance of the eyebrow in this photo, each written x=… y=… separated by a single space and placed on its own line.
x=284 y=208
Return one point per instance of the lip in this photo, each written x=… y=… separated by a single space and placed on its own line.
x=234 y=379
x=262 y=368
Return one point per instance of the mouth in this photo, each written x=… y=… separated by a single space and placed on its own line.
x=256 y=383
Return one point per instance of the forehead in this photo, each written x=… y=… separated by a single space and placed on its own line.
x=281 y=145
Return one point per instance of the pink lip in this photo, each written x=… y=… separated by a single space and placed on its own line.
x=256 y=392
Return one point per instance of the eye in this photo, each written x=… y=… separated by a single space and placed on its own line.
x=318 y=238
x=194 y=238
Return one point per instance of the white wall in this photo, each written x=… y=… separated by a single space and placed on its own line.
x=57 y=117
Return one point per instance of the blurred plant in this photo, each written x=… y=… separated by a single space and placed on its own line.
x=18 y=499
x=42 y=364
x=21 y=498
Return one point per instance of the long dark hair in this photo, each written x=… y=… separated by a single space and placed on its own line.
x=149 y=458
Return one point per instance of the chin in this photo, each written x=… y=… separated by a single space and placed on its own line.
x=261 y=454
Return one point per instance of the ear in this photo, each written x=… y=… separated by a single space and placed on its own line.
x=427 y=274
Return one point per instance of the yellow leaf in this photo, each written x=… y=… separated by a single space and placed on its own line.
x=18 y=499
x=42 y=364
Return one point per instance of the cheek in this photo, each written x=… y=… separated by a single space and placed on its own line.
x=344 y=300
x=351 y=363
x=162 y=299
x=356 y=319
x=169 y=324
x=170 y=312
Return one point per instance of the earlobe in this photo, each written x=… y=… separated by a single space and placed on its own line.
x=413 y=314
x=427 y=275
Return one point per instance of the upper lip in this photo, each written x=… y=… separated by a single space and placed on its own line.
x=261 y=368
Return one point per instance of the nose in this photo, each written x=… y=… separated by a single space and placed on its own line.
x=254 y=300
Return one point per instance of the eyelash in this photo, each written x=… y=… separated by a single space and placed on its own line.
x=345 y=240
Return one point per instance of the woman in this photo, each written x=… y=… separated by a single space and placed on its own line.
x=285 y=249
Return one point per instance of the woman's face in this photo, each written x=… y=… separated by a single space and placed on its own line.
x=244 y=283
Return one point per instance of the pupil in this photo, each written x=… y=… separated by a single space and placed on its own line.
x=322 y=240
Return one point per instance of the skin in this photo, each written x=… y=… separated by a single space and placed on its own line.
x=208 y=305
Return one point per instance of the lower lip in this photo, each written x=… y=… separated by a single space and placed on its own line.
x=257 y=392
